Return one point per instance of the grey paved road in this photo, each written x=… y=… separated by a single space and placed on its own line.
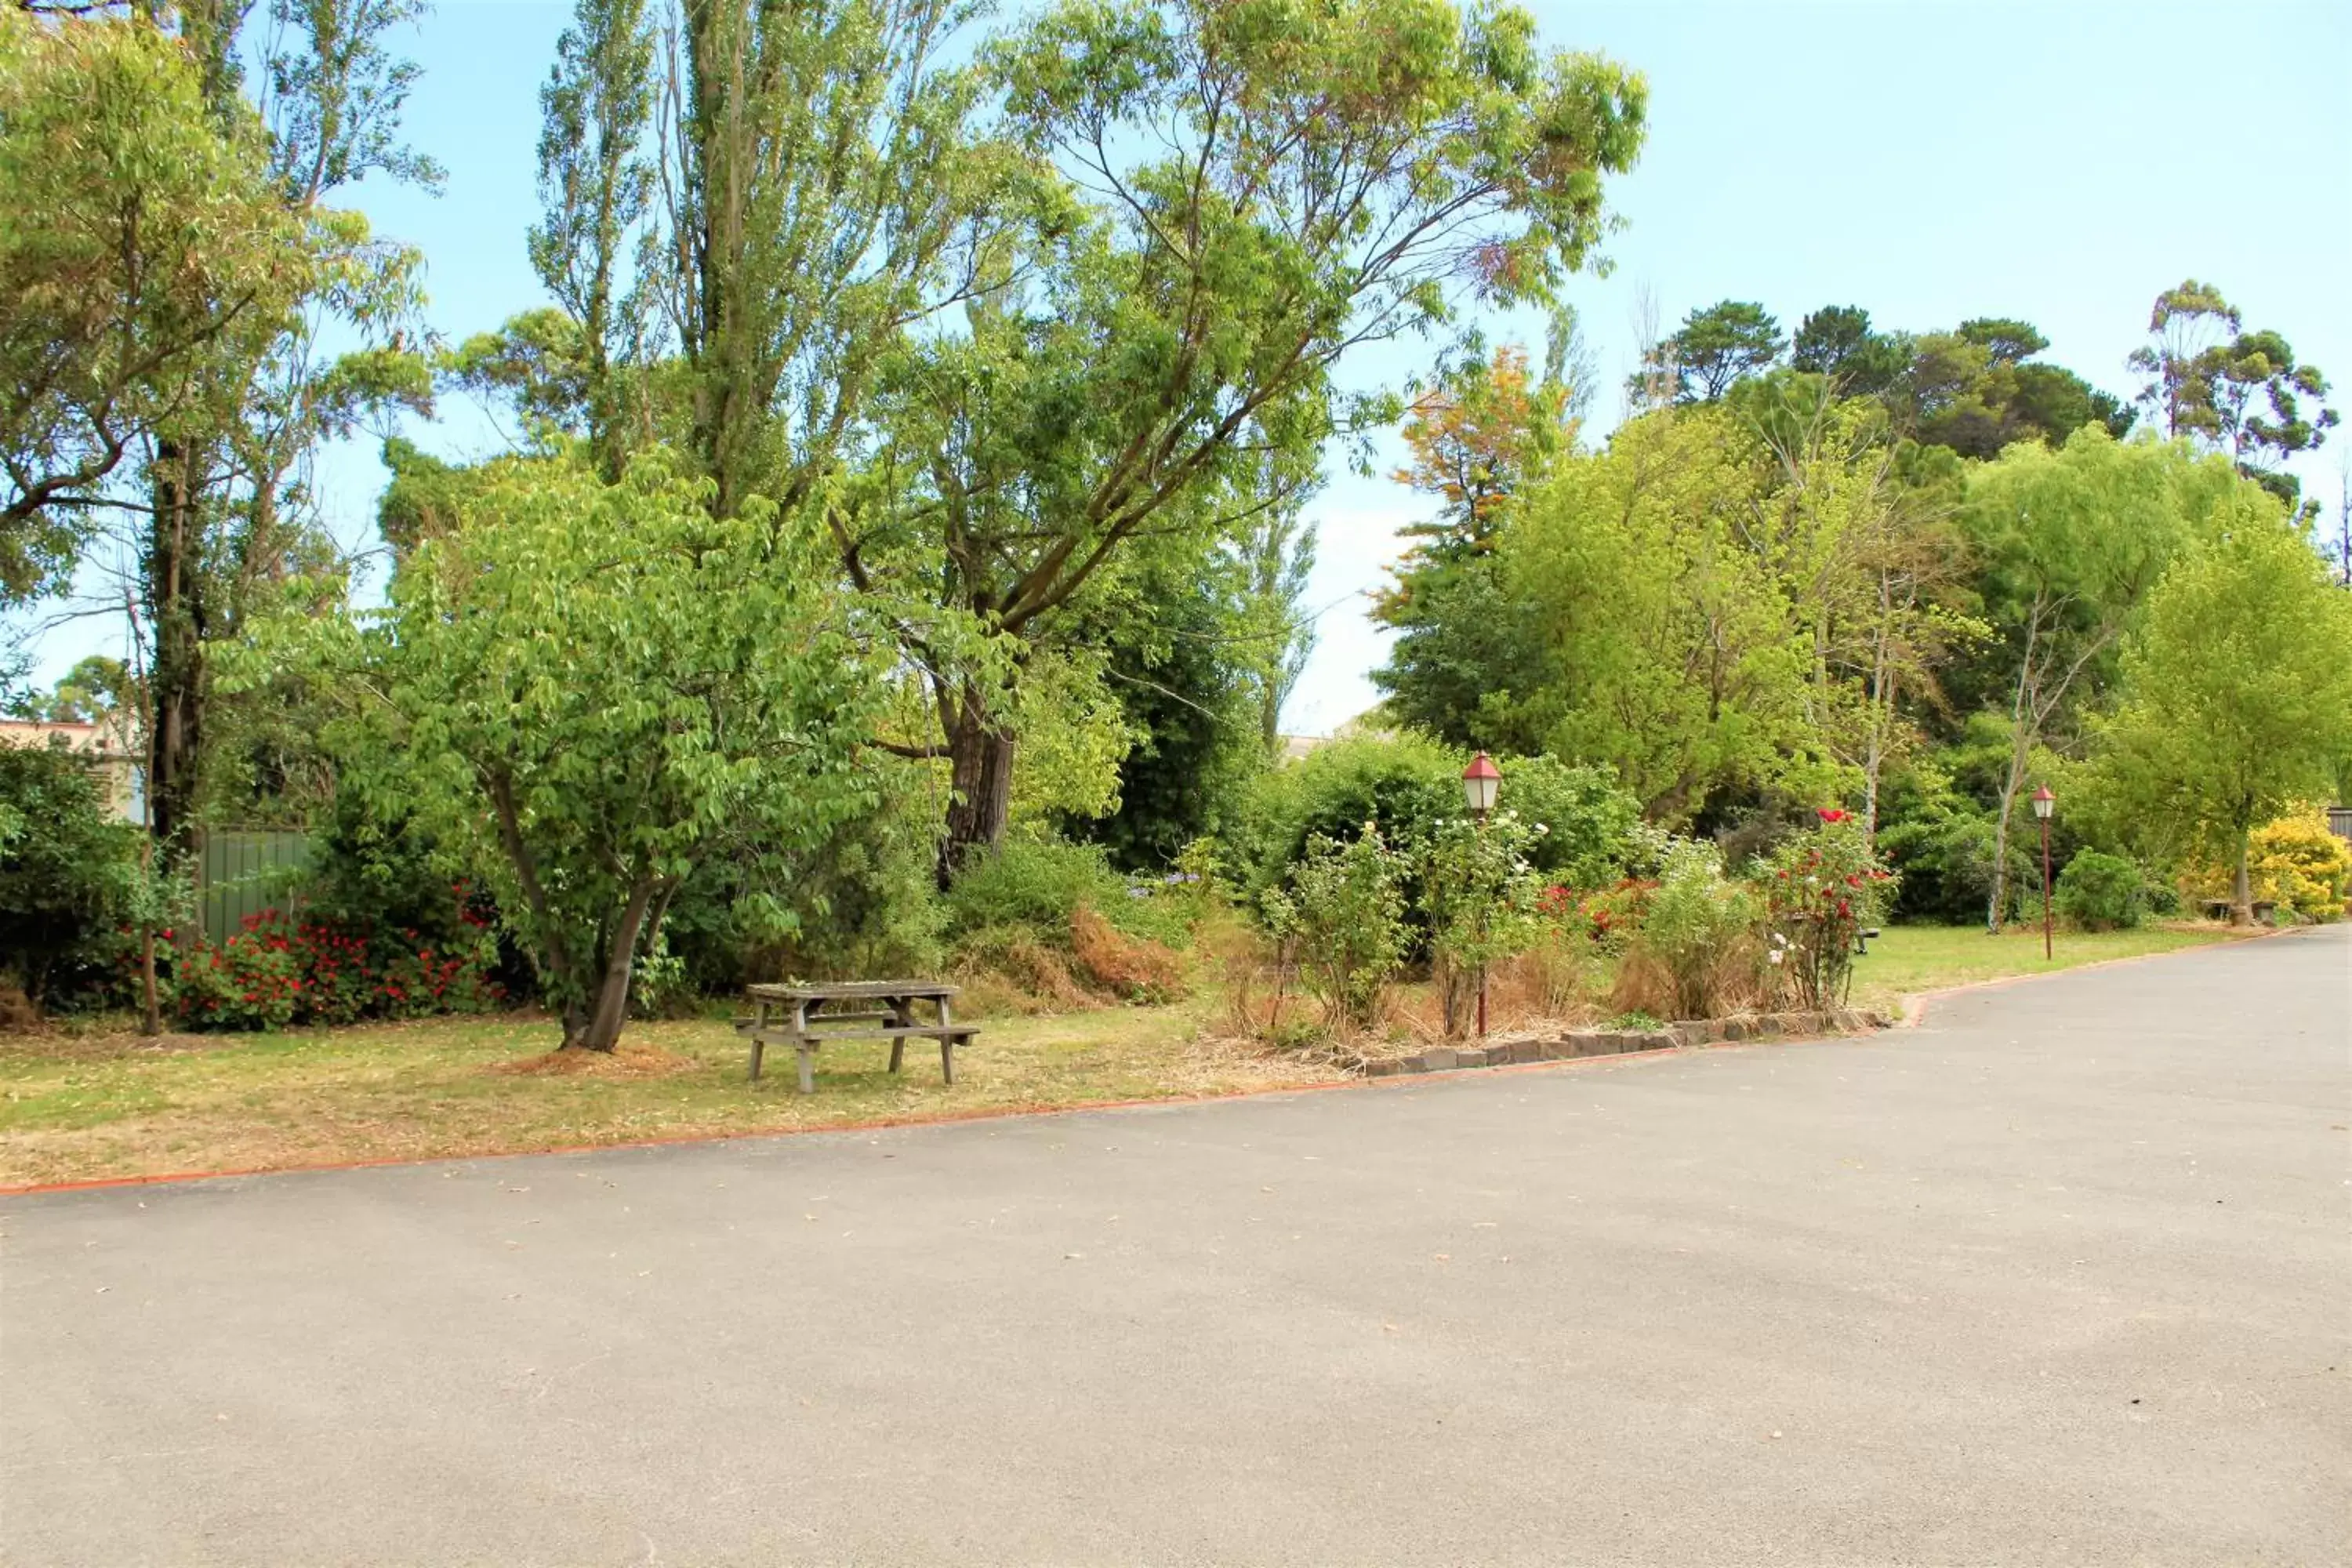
x=2061 y=1278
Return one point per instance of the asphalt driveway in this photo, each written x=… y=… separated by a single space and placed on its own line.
x=2062 y=1277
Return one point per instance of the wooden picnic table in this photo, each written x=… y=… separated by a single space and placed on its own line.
x=805 y=1017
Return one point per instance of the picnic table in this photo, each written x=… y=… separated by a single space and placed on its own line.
x=806 y=1016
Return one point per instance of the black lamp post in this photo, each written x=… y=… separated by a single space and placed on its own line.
x=1482 y=780
x=2045 y=803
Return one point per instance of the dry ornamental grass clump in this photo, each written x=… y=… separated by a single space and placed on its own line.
x=1130 y=968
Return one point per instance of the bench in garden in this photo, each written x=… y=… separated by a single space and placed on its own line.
x=807 y=1016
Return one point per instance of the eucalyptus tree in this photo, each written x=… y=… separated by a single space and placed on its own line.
x=743 y=207
x=1248 y=195
x=2230 y=389
x=144 y=233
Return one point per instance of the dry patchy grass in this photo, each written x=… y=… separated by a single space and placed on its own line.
x=83 y=1105
x=76 y=1109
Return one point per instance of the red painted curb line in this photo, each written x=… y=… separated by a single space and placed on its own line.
x=1915 y=1008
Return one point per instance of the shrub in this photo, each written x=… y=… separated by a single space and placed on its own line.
x=1608 y=918
x=2293 y=863
x=1479 y=895
x=1590 y=824
x=368 y=875
x=1041 y=883
x=68 y=871
x=1819 y=890
x=1404 y=782
x=1695 y=951
x=1343 y=915
x=277 y=970
x=1940 y=838
x=2299 y=865
x=860 y=901
x=2101 y=892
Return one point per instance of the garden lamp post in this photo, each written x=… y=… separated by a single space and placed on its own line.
x=2045 y=803
x=1482 y=780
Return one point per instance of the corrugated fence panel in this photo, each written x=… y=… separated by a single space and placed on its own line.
x=243 y=872
x=2339 y=821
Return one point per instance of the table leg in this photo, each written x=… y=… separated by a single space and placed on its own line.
x=947 y=1045
x=759 y=1022
x=902 y=1015
x=806 y=1046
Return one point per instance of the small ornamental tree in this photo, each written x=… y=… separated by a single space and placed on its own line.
x=1821 y=889
x=1480 y=892
x=587 y=691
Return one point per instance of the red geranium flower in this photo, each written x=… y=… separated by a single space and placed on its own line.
x=1830 y=813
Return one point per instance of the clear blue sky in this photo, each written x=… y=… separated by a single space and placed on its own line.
x=2062 y=162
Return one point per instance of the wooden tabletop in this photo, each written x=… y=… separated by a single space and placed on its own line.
x=849 y=990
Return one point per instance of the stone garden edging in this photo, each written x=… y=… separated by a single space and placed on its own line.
x=1575 y=1044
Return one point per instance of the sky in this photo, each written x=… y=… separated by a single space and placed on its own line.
x=2060 y=162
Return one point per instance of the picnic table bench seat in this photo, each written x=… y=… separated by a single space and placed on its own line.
x=805 y=1017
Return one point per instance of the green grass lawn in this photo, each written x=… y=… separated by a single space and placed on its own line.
x=81 y=1107
x=1910 y=959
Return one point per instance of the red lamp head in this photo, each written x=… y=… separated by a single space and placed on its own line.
x=1481 y=782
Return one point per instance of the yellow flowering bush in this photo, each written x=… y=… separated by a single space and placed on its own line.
x=2293 y=862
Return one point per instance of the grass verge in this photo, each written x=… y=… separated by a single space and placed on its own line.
x=1908 y=960
x=89 y=1107
x=83 y=1108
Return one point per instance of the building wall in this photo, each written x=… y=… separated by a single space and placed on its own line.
x=107 y=749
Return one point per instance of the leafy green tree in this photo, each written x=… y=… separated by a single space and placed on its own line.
x=2069 y=543
x=144 y=233
x=588 y=692
x=1188 y=644
x=2237 y=689
x=1714 y=349
x=1872 y=567
x=227 y=509
x=1671 y=646
x=97 y=688
x=733 y=268
x=1976 y=392
x=1272 y=188
x=596 y=175
x=1836 y=342
x=1482 y=436
x=1276 y=555
x=2228 y=389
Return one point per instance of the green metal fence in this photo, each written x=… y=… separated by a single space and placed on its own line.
x=242 y=872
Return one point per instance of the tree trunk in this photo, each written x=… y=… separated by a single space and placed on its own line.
x=175 y=604
x=598 y=1027
x=2000 y=859
x=979 y=775
x=2241 y=893
x=2021 y=754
